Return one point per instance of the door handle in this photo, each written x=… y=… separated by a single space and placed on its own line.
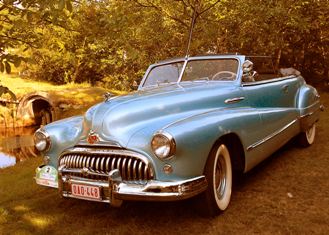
x=234 y=100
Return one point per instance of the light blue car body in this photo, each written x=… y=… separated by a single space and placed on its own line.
x=259 y=117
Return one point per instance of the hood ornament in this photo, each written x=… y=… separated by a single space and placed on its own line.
x=92 y=137
x=107 y=96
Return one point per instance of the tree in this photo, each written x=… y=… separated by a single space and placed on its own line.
x=18 y=19
x=113 y=41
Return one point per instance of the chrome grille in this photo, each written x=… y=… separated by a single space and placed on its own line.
x=132 y=166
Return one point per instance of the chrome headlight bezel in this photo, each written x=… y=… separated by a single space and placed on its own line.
x=163 y=145
x=42 y=141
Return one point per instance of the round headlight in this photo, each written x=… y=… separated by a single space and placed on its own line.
x=163 y=145
x=42 y=140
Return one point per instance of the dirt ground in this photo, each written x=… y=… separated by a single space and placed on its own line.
x=286 y=194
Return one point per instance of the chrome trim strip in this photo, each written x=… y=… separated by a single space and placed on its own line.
x=234 y=100
x=279 y=79
x=269 y=137
x=312 y=105
x=101 y=143
x=84 y=171
x=182 y=72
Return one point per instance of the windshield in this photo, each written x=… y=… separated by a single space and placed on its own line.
x=164 y=74
x=195 y=70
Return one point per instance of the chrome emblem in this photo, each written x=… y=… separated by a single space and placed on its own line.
x=85 y=171
x=92 y=137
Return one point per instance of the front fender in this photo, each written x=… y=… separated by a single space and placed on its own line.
x=195 y=137
x=63 y=134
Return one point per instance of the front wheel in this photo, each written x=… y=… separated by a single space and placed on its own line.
x=218 y=172
x=307 y=137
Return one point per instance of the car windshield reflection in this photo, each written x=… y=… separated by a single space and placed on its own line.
x=195 y=70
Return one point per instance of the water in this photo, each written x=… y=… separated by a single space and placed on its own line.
x=16 y=145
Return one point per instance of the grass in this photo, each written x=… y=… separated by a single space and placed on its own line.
x=286 y=194
x=22 y=86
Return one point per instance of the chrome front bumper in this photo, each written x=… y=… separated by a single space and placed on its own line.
x=114 y=190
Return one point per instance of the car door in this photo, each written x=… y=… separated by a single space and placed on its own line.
x=275 y=101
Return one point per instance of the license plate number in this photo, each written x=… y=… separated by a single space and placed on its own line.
x=85 y=191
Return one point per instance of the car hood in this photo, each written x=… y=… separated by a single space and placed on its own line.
x=153 y=109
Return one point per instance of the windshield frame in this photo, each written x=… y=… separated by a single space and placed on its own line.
x=185 y=60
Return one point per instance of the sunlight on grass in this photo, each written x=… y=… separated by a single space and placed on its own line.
x=21 y=208
x=3 y=216
x=77 y=98
x=40 y=222
x=22 y=86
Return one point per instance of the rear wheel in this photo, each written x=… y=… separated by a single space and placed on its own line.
x=307 y=137
x=218 y=172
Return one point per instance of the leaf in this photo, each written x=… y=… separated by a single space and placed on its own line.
x=17 y=62
x=69 y=5
x=29 y=17
x=2 y=67
x=61 y=4
x=8 y=67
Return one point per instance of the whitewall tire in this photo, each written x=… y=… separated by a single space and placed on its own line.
x=307 y=137
x=218 y=172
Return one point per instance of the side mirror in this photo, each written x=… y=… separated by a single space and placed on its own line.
x=247 y=66
x=248 y=74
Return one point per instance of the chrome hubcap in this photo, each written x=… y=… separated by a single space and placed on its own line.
x=220 y=176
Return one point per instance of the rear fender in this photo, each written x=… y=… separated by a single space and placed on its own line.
x=308 y=106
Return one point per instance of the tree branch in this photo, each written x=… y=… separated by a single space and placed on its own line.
x=19 y=40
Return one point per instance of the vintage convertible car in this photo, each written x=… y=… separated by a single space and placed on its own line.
x=192 y=123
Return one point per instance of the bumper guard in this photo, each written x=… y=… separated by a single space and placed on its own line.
x=114 y=191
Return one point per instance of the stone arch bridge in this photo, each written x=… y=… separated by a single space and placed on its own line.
x=34 y=108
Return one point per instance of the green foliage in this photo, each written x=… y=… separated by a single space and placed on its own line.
x=111 y=42
x=18 y=21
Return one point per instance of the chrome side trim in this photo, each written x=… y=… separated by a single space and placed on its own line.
x=268 y=81
x=307 y=120
x=271 y=136
x=234 y=100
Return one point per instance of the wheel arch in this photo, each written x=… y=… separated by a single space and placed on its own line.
x=235 y=147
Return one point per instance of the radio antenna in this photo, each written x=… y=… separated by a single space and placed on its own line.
x=190 y=34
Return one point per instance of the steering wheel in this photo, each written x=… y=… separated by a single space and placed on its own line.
x=224 y=75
